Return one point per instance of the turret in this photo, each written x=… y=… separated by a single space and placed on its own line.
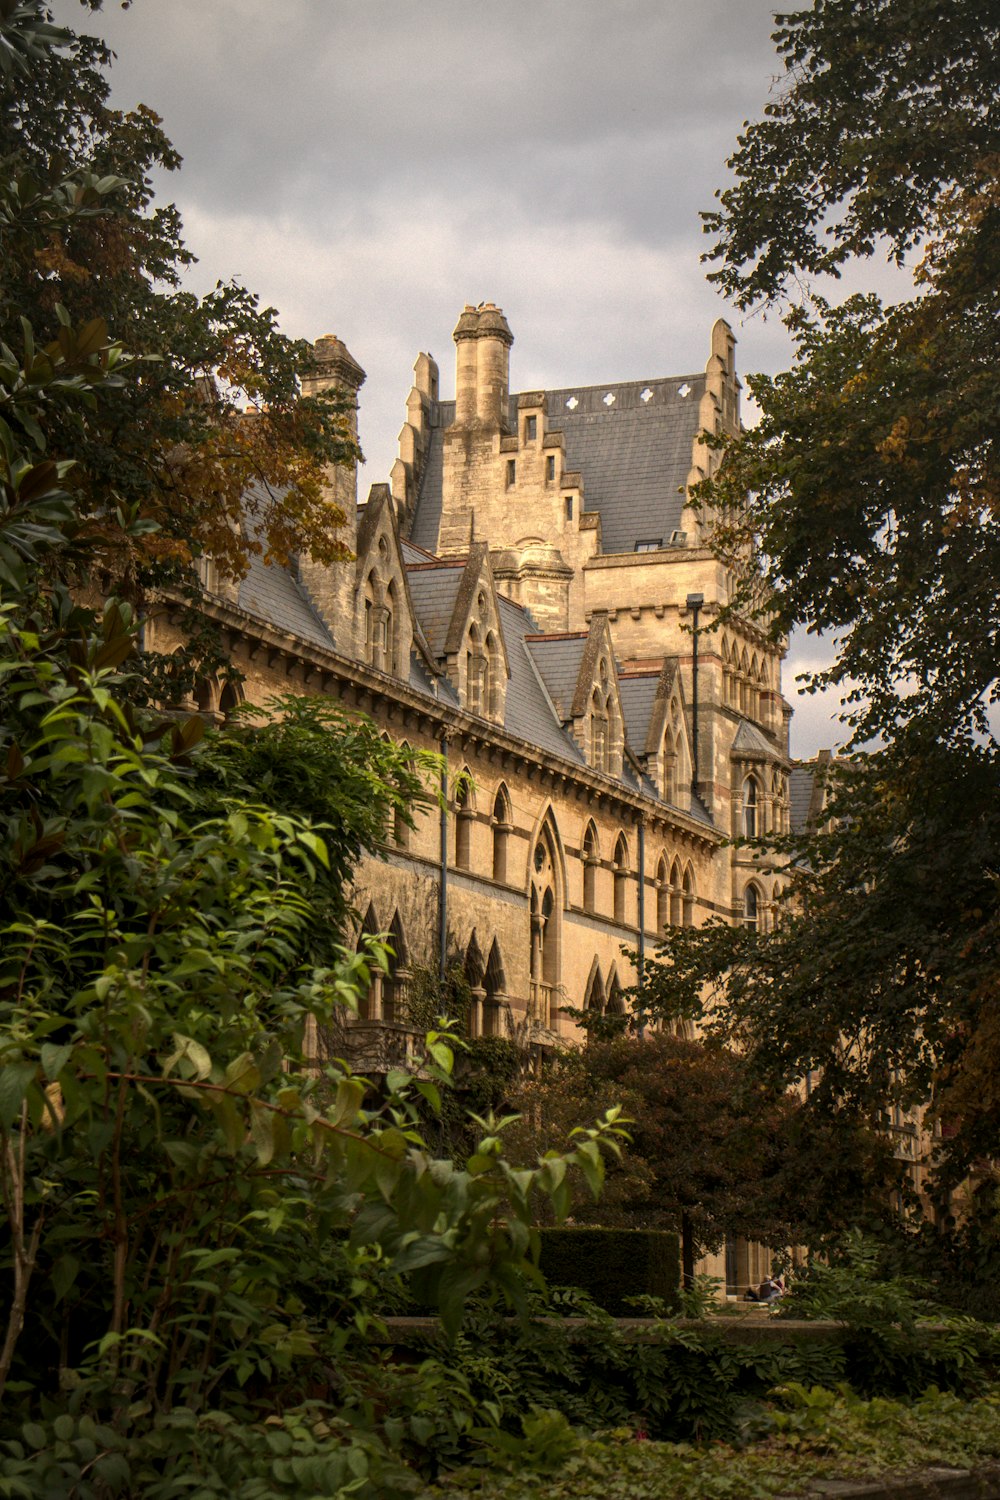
x=482 y=367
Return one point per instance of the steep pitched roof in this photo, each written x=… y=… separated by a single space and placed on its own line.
x=274 y=593
x=750 y=742
x=631 y=440
x=529 y=712
x=434 y=589
x=558 y=659
x=801 y=781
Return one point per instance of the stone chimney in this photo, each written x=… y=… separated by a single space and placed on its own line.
x=331 y=588
x=482 y=367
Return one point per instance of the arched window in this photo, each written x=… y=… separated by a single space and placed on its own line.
x=751 y=808
x=670 y=768
x=662 y=895
x=464 y=813
x=229 y=699
x=615 y=1005
x=495 y=999
x=394 y=983
x=676 y=896
x=369 y=1004
x=598 y=732
x=501 y=833
x=545 y=876
x=390 y=631
x=751 y=908
x=595 y=998
x=491 y=689
x=621 y=873
x=591 y=860
x=688 y=898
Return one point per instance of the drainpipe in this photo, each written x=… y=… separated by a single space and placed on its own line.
x=443 y=903
x=641 y=966
x=694 y=603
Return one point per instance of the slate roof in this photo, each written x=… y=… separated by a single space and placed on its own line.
x=634 y=454
x=638 y=695
x=529 y=711
x=800 y=795
x=433 y=590
x=751 y=741
x=543 y=671
x=274 y=593
x=558 y=661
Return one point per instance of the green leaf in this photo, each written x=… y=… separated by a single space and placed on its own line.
x=15 y=1079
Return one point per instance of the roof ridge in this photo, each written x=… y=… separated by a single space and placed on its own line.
x=558 y=635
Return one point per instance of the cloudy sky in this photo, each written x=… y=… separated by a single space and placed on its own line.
x=368 y=166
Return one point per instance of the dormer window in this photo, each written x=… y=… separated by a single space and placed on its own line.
x=651 y=544
x=569 y=507
x=550 y=469
x=530 y=429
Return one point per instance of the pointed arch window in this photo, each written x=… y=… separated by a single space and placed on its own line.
x=676 y=896
x=395 y=982
x=591 y=860
x=494 y=999
x=621 y=874
x=370 y=1003
x=501 y=834
x=595 y=998
x=752 y=908
x=662 y=895
x=464 y=814
x=688 y=897
x=545 y=923
x=751 y=808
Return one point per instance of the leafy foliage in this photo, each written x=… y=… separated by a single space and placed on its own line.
x=200 y=1221
x=714 y=1149
x=882 y=109
x=176 y=446
x=869 y=495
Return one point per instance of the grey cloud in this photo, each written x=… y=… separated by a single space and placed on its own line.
x=368 y=167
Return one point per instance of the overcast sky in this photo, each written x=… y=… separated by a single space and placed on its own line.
x=369 y=166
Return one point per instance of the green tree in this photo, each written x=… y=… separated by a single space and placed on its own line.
x=176 y=445
x=869 y=494
x=199 y=1220
x=713 y=1152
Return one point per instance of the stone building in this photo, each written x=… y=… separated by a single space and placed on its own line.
x=533 y=595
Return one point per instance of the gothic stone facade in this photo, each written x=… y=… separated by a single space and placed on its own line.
x=533 y=595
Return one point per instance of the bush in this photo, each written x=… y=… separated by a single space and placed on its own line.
x=613 y=1265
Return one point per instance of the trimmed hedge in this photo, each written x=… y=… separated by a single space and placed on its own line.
x=613 y=1264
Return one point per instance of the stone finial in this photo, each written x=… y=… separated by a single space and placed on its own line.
x=483 y=322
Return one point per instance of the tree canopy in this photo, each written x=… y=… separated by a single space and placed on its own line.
x=869 y=495
x=212 y=440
